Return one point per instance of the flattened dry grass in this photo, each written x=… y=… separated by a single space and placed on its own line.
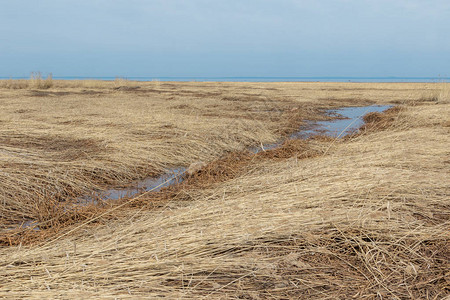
x=78 y=136
x=62 y=142
x=368 y=219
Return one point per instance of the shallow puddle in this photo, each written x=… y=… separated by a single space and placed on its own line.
x=154 y=184
x=350 y=120
x=25 y=224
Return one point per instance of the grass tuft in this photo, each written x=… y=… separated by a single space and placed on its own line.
x=438 y=94
x=38 y=82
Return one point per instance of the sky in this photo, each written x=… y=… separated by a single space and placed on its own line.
x=261 y=38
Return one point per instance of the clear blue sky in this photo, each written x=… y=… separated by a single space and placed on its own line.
x=225 y=38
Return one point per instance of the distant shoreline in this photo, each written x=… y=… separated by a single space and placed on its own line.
x=257 y=79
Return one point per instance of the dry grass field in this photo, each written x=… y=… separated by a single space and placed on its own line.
x=77 y=136
x=365 y=217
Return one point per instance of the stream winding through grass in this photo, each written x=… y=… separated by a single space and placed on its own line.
x=348 y=120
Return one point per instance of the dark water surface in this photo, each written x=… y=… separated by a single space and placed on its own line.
x=349 y=122
x=171 y=177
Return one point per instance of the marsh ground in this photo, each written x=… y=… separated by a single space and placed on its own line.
x=78 y=136
x=367 y=216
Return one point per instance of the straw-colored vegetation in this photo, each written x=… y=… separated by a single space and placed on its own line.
x=62 y=142
x=70 y=139
x=36 y=81
x=365 y=217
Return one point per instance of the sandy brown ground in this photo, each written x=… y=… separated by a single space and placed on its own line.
x=368 y=217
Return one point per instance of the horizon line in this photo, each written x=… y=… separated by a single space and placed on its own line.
x=230 y=77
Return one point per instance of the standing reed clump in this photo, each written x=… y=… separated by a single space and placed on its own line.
x=38 y=82
x=121 y=81
x=444 y=93
x=439 y=94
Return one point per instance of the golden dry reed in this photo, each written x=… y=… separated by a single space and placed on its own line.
x=366 y=217
x=78 y=136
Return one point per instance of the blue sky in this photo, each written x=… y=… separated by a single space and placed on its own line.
x=225 y=38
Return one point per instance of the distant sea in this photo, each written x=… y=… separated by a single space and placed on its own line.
x=261 y=79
